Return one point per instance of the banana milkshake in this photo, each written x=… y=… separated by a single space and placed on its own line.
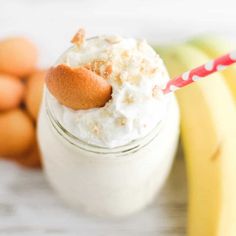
x=107 y=133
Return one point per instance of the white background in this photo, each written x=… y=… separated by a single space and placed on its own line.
x=51 y=23
x=28 y=206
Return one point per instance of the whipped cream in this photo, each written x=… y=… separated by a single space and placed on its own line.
x=136 y=74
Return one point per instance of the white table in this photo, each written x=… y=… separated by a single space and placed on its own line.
x=29 y=207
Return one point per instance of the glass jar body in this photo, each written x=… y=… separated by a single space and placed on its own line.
x=108 y=184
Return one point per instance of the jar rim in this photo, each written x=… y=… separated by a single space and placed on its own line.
x=132 y=146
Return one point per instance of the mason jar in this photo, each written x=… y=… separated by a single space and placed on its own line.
x=107 y=181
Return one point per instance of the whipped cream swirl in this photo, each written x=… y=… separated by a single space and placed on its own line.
x=136 y=74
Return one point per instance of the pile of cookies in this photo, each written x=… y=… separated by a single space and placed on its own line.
x=21 y=86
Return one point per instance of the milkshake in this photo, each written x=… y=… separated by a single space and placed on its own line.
x=107 y=133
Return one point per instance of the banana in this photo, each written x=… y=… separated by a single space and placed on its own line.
x=208 y=133
x=215 y=46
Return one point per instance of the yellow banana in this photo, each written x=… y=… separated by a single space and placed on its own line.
x=215 y=46
x=208 y=132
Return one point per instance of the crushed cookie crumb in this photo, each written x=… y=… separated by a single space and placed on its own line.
x=79 y=38
x=96 y=129
x=106 y=113
x=113 y=39
x=128 y=99
x=121 y=121
x=155 y=91
x=142 y=69
x=107 y=71
x=118 y=80
x=95 y=66
x=135 y=80
x=88 y=66
x=153 y=70
x=143 y=66
x=125 y=54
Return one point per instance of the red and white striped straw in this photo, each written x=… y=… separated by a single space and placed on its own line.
x=200 y=72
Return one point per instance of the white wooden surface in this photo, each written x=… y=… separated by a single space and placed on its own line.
x=28 y=206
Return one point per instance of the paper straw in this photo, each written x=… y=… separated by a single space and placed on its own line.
x=200 y=72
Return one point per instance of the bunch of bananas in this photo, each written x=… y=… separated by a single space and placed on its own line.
x=208 y=134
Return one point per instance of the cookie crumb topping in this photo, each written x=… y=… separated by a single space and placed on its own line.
x=79 y=38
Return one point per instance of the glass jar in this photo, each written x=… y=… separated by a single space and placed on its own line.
x=102 y=181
